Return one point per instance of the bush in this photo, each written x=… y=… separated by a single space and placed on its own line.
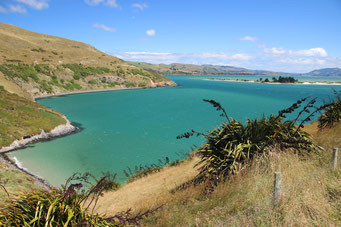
x=129 y=84
x=83 y=71
x=228 y=148
x=332 y=113
x=68 y=206
x=23 y=71
x=92 y=81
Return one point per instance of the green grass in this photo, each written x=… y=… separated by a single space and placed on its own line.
x=14 y=181
x=20 y=117
x=23 y=71
x=81 y=71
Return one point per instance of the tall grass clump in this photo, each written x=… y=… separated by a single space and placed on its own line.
x=228 y=147
x=72 y=205
x=332 y=114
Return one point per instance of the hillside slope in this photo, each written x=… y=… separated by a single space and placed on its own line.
x=20 y=117
x=190 y=69
x=41 y=64
x=325 y=72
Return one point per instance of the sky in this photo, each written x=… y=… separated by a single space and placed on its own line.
x=278 y=35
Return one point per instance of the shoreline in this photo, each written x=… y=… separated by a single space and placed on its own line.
x=298 y=83
x=59 y=131
x=166 y=84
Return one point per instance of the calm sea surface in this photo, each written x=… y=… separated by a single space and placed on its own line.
x=127 y=128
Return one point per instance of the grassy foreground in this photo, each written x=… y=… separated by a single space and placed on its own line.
x=311 y=192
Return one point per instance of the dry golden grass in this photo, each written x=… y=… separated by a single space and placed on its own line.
x=149 y=191
x=311 y=193
x=246 y=199
x=13 y=88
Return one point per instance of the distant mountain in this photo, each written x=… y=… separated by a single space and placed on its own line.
x=190 y=69
x=33 y=64
x=325 y=72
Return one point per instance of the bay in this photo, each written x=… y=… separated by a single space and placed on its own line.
x=129 y=128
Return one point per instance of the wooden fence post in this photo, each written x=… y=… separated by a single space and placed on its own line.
x=277 y=189
x=335 y=158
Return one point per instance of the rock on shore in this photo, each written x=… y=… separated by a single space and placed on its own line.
x=60 y=130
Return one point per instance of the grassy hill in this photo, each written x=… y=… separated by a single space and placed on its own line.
x=21 y=117
x=190 y=69
x=325 y=72
x=33 y=64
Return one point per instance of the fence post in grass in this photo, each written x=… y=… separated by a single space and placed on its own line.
x=277 y=189
x=335 y=150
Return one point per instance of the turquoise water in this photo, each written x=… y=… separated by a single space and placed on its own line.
x=131 y=127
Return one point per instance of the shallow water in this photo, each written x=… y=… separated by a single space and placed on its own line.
x=127 y=128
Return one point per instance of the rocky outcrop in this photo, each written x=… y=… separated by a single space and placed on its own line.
x=60 y=130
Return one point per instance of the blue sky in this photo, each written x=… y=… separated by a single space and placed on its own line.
x=280 y=35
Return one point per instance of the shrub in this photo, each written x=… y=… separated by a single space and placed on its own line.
x=129 y=84
x=41 y=50
x=332 y=113
x=92 y=81
x=142 y=84
x=69 y=206
x=80 y=70
x=228 y=148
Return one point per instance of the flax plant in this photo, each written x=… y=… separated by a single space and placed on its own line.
x=228 y=147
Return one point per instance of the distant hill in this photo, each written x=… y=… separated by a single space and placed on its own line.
x=190 y=69
x=34 y=64
x=325 y=72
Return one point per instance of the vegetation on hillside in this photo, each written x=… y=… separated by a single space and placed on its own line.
x=70 y=206
x=49 y=79
x=20 y=117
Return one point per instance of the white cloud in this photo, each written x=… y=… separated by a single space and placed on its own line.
x=35 y=4
x=150 y=32
x=312 y=52
x=248 y=38
x=277 y=63
x=140 y=6
x=17 y=9
x=302 y=61
x=104 y=27
x=2 y=10
x=93 y=2
x=275 y=50
x=188 y=58
x=111 y=3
